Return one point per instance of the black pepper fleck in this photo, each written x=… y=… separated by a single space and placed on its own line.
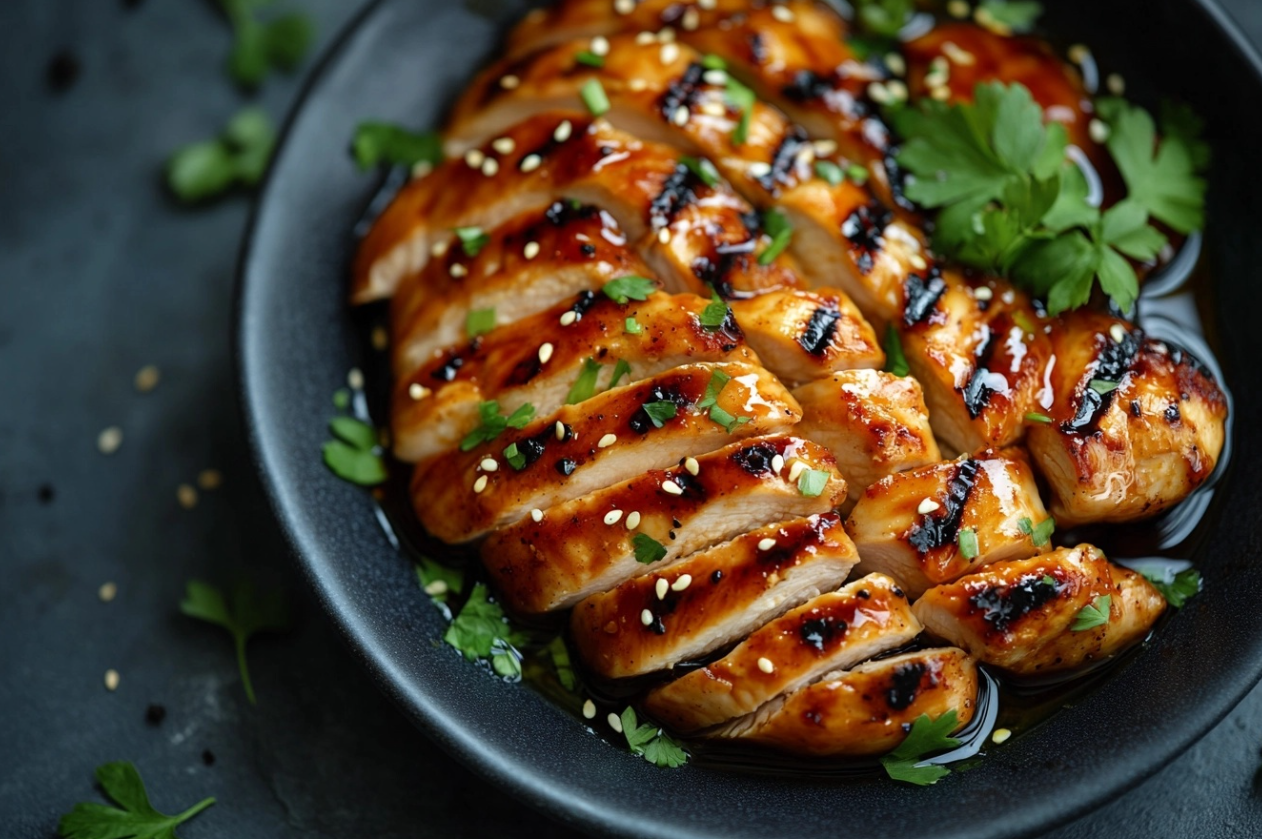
x=155 y=714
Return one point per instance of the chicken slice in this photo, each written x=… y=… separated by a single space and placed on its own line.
x=600 y=441
x=874 y=423
x=922 y=525
x=833 y=631
x=1021 y=616
x=528 y=264
x=1136 y=424
x=804 y=335
x=568 y=552
x=866 y=710
x=687 y=610
x=434 y=408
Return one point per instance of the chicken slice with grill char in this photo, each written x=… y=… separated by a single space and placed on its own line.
x=712 y=598
x=921 y=526
x=866 y=710
x=568 y=552
x=1027 y=616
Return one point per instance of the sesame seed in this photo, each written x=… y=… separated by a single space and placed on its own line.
x=458 y=270
x=474 y=158
x=693 y=467
x=545 y=353
x=713 y=109
x=568 y=318
x=1001 y=735
x=1079 y=53
x=983 y=292
x=940 y=93
x=682 y=583
x=796 y=470
x=614 y=722
x=896 y=64
x=777 y=464
x=672 y=488
x=560 y=430
x=714 y=77
x=504 y=145
x=589 y=710
x=879 y=93
x=1117 y=332
x=897 y=89
x=490 y=167
x=623 y=7
x=613 y=517
x=917 y=261
x=480 y=483
x=1098 y=131
x=691 y=20
x=633 y=519
x=669 y=52
x=436 y=588
x=210 y=479
x=984 y=18
x=824 y=148
x=147 y=378
x=380 y=338
x=645 y=38
x=531 y=250
x=607 y=441
x=958 y=8
x=637 y=84
x=666 y=35
x=766 y=544
x=680 y=117
x=186 y=495
x=354 y=379
x=646 y=617
x=759 y=169
x=438 y=249
x=563 y=131
x=536 y=515
x=663 y=235
x=111 y=679
x=107 y=592
x=108 y=441
x=707 y=4
x=530 y=163
x=927 y=506
x=421 y=168
x=599 y=45
x=765 y=665
x=418 y=391
x=489 y=464
x=958 y=55
x=509 y=82
x=661 y=587
x=1116 y=84
x=782 y=13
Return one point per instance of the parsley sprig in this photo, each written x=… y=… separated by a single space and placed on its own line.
x=493 y=423
x=244 y=613
x=238 y=156
x=925 y=737
x=1177 y=589
x=134 y=816
x=354 y=455
x=651 y=743
x=481 y=631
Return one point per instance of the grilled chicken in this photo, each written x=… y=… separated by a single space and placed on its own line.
x=712 y=598
x=874 y=423
x=866 y=710
x=1135 y=423
x=1021 y=616
x=920 y=526
x=568 y=552
x=690 y=232
x=804 y=335
x=437 y=406
x=597 y=442
x=830 y=632
x=528 y=264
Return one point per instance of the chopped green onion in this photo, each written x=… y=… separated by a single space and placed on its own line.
x=858 y=173
x=728 y=421
x=632 y=327
x=702 y=168
x=594 y=97
x=776 y=225
x=742 y=99
x=812 y=482
x=620 y=369
x=479 y=322
x=515 y=458
x=472 y=239
x=584 y=386
x=829 y=171
x=590 y=58
x=1035 y=416
x=967 y=540
x=895 y=359
x=718 y=381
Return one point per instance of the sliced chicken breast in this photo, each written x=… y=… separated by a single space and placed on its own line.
x=874 y=423
x=563 y=554
x=712 y=598
x=1028 y=616
x=936 y=523
x=1136 y=424
x=833 y=631
x=866 y=710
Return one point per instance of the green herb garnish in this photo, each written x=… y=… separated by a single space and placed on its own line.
x=1093 y=615
x=439 y=581
x=715 y=313
x=647 y=549
x=1176 y=591
x=729 y=422
x=1035 y=416
x=341 y=399
x=925 y=737
x=593 y=96
x=702 y=168
x=966 y=538
x=243 y=615
x=559 y=655
x=776 y=225
x=515 y=458
x=883 y=18
x=481 y=631
x=651 y=743
x=134 y=818
x=632 y=327
x=828 y=171
x=631 y=287
x=660 y=412
x=742 y=99
x=1048 y=580
x=710 y=61
x=354 y=456
x=812 y=482
x=383 y=142
x=1102 y=386
x=590 y=58
x=718 y=381
x=1039 y=534
x=472 y=239
x=858 y=173
x=895 y=358
x=493 y=423
x=620 y=369
x=1017 y=16
x=260 y=45
x=479 y=322
x=238 y=156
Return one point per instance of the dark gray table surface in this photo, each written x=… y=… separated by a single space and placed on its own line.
x=101 y=274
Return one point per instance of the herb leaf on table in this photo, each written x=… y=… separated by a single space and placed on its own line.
x=134 y=818
x=245 y=613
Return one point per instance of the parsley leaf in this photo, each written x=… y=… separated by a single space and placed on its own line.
x=1175 y=590
x=651 y=743
x=472 y=239
x=243 y=615
x=354 y=456
x=895 y=359
x=659 y=412
x=776 y=225
x=812 y=482
x=718 y=381
x=480 y=631
x=702 y=168
x=260 y=45
x=715 y=313
x=438 y=580
x=383 y=142
x=884 y=18
x=493 y=423
x=584 y=386
x=925 y=737
x=631 y=287
x=212 y=167
x=137 y=818
x=647 y=549
x=479 y=322
x=1015 y=15
x=1094 y=614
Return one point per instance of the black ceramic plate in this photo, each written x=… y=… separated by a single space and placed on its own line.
x=402 y=60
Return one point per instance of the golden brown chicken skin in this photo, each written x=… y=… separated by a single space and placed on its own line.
x=830 y=632
x=1136 y=424
x=1021 y=615
x=920 y=526
x=568 y=552
x=712 y=598
x=866 y=710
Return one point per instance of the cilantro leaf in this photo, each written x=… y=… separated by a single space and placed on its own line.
x=584 y=386
x=260 y=45
x=631 y=287
x=493 y=423
x=438 y=580
x=243 y=614
x=715 y=313
x=472 y=240
x=812 y=482
x=924 y=738
x=895 y=359
x=354 y=456
x=481 y=631
x=237 y=157
x=632 y=327
x=776 y=225
x=884 y=18
x=718 y=381
x=1175 y=590
x=383 y=142
x=356 y=432
x=1094 y=614
x=1015 y=15
x=651 y=743
x=647 y=549
x=659 y=412
x=134 y=817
